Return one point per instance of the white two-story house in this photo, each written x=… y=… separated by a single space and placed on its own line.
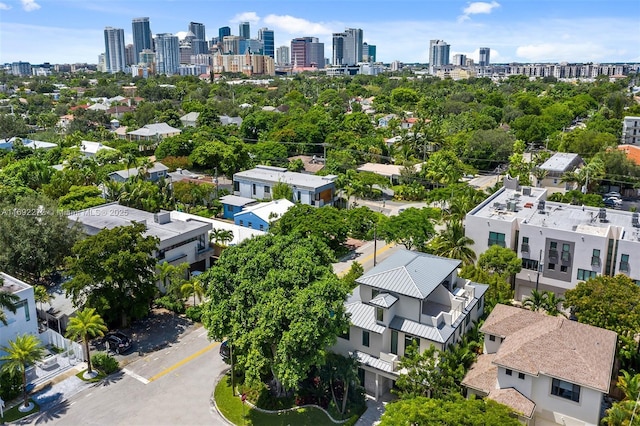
x=409 y=297
x=24 y=320
x=550 y=370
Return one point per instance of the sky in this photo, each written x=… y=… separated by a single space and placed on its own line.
x=72 y=31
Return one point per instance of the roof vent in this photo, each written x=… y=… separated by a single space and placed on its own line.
x=526 y=190
x=602 y=215
x=541 y=205
x=634 y=220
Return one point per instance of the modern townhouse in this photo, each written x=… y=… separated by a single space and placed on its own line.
x=261 y=215
x=549 y=370
x=631 y=130
x=560 y=244
x=25 y=319
x=409 y=297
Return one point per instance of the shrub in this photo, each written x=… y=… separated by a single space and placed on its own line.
x=194 y=313
x=105 y=363
x=171 y=304
x=10 y=386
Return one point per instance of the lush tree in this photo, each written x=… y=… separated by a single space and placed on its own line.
x=621 y=412
x=277 y=301
x=500 y=261
x=536 y=301
x=453 y=243
x=282 y=191
x=86 y=325
x=612 y=303
x=426 y=411
x=342 y=374
x=34 y=237
x=114 y=272
x=80 y=198
x=443 y=167
x=413 y=228
x=424 y=377
x=355 y=271
x=487 y=149
x=586 y=142
x=194 y=288
x=12 y=125
x=21 y=353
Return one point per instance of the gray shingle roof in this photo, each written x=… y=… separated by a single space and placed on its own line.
x=384 y=300
x=363 y=316
x=410 y=273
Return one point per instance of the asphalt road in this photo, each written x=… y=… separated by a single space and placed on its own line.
x=172 y=386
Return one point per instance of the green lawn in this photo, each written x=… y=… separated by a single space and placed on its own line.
x=240 y=414
x=13 y=414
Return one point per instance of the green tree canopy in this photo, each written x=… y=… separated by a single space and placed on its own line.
x=114 y=272
x=24 y=351
x=277 y=301
x=500 y=261
x=413 y=228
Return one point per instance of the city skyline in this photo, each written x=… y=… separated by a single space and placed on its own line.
x=70 y=31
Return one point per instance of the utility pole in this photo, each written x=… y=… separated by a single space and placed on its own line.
x=215 y=180
x=539 y=270
x=375 y=242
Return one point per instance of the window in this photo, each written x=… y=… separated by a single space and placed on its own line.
x=563 y=268
x=261 y=227
x=379 y=314
x=530 y=264
x=394 y=342
x=236 y=186
x=467 y=320
x=24 y=304
x=253 y=189
x=509 y=372
x=565 y=252
x=521 y=376
x=267 y=190
x=365 y=338
x=584 y=275
x=249 y=225
x=624 y=263
x=525 y=245
x=551 y=266
x=565 y=390
x=553 y=251
x=492 y=338
x=496 y=238
x=346 y=335
x=595 y=258
x=241 y=223
x=374 y=293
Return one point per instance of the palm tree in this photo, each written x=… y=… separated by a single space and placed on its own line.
x=7 y=301
x=552 y=304
x=21 y=353
x=86 y=324
x=453 y=243
x=537 y=300
x=41 y=295
x=195 y=287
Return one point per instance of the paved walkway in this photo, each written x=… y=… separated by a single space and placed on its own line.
x=373 y=413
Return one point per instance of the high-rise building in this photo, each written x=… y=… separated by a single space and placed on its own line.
x=307 y=52
x=460 y=60
x=265 y=35
x=114 y=49
x=198 y=30
x=438 y=53
x=167 y=54
x=282 y=56
x=251 y=45
x=368 y=52
x=245 y=31
x=485 y=57
x=21 y=68
x=141 y=36
x=199 y=43
x=347 y=47
x=231 y=45
x=223 y=32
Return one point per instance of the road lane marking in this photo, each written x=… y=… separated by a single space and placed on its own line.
x=368 y=258
x=184 y=361
x=135 y=376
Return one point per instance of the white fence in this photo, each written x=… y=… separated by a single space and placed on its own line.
x=71 y=349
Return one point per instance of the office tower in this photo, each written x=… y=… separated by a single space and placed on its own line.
x=307 y=52
x=199 y=43
x=268 y=46
x=167 y=54
x=129 y=58
x=223 y=32
x=21 y=68
x=114 y=49
x=347 y=47
x=245 y=31
x=141 y=36
x=251 y=46
x=460 y=60
x=485 y=54
x=368 y=52
x=282 y=55
x=198 y=30
x=231 y=45
x=438 y=53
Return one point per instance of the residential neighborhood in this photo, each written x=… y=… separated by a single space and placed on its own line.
x=318 y=247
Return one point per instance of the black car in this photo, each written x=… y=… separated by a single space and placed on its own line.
x=225 y=351
x=117 y=342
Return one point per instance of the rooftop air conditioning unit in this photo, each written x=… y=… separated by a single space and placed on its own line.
x=541 y=205
x=526 y=191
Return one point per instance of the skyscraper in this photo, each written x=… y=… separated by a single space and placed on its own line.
x=438 y=53
x=282 y=55
x=265 y=35
x=223 y=32
x=245 y=31
x=459 y=60
x=485 y=54
x=347 y=47
x=368 y=52
x=141 y=36
x=114 y=49
x=307 y=52
x=167 y=54
x=198 y=30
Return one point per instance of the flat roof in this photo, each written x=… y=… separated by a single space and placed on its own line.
x=565 y=217
x=12 y=284
x=279 y=174
x=235 y=200
x=387 y=170
x=559 y=162
x=109 y=216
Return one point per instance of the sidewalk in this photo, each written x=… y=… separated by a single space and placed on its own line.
x=374 y=412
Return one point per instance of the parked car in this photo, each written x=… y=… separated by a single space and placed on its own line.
x=613 y=202
x=613 y=194
x=225 y=351
x=117 y=342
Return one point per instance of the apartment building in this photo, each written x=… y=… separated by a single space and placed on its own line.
x=631 y=131
x=560 y=244
x=24 y=320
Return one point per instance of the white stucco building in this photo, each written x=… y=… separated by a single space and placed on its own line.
x=550 y=370
x=409 y=297
x=560 y=244
x=25 y=320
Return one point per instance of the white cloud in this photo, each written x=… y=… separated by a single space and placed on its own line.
x=4 y=6
x=293 y=25
x=478 y=7
x=30 y=5
x=251 y=17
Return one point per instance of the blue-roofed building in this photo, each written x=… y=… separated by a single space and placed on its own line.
x=410 y=297
x=232 y=204
x=261 y=215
